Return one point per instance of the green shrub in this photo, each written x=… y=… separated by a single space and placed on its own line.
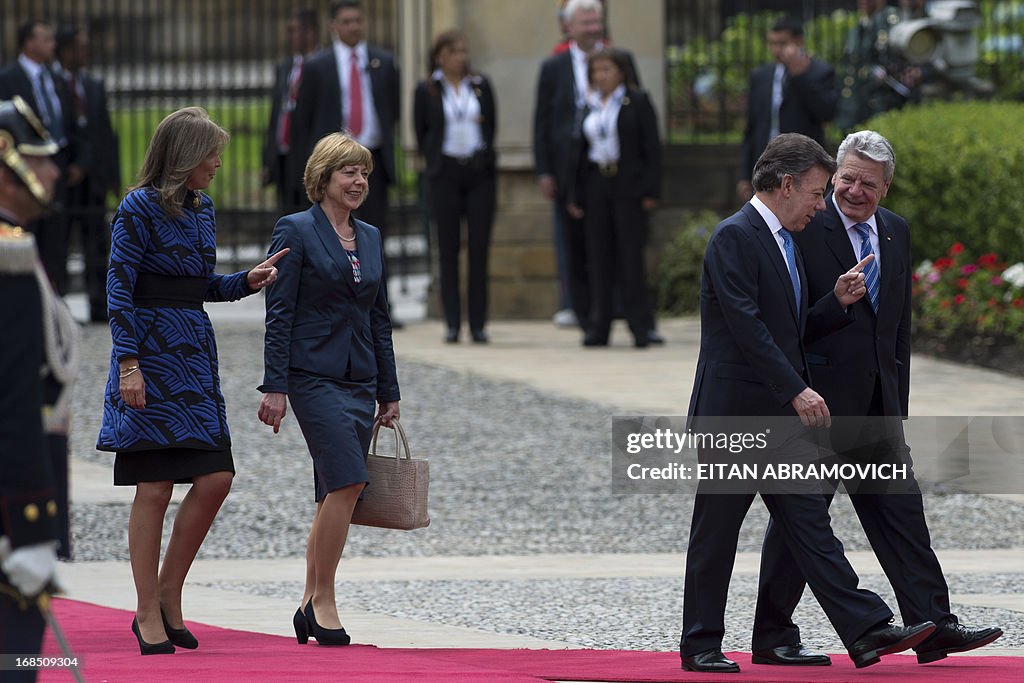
x=678 y=280
x=958 y=171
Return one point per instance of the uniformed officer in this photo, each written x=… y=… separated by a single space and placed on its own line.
x=37 y=361
x=873 y=78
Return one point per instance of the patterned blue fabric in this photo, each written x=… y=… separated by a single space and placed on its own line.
x=175 y=346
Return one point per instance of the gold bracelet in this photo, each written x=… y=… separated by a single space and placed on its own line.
x=131 y=370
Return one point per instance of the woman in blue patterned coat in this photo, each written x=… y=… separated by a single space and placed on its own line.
x=163 y=413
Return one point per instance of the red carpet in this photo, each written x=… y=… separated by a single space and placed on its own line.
x=102 y=639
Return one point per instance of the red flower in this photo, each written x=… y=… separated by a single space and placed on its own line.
x=962 y=283
x=944 y=303
x=942 y=263
x=1018 y=303
x=996 y=280
x=968 y=269
x=992 y=303
x=959 y=299
x=915 y=278
x=957 y=248
x=989 y=260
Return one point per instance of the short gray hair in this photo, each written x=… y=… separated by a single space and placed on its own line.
x=789 y=154
x=574 y=6
x=870 y=145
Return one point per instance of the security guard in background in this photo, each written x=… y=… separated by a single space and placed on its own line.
x=37 y=362
x=873 y=78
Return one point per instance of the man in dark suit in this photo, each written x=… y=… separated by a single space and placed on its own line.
x=32 y=79
x=864 y=370
x=29 y=509
x=353 y=87
x=325 y=103
x=562 y=88
x=283 y=161
x=752 y=363
x=795 y=94
x=98 y=159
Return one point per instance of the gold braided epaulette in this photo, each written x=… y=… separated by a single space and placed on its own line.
x=17 y=251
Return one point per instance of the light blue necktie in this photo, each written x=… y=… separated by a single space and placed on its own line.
x=871 y=269
x=794 y=274
x=54 y=121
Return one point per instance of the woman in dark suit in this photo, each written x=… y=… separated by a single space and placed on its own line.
x=617 y=184
x=454 y=115
x=163 y=412
x=328 y=350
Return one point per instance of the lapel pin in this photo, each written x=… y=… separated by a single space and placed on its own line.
x=374 y=63
x=625 y=101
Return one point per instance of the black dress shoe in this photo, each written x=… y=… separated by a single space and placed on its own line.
x=641 y=343
x=710 y=662
x=953 y=637
x=593 y=340
x=654 y=338
x=479 y=336
x=453 y=336
x=181 y=637
x=790 y=655
x=164 y=648
x=887 y=639
x=324 y=636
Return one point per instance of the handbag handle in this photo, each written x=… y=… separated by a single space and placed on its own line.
x=399 y=434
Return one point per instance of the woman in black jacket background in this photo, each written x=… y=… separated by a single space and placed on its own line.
x=454 y=115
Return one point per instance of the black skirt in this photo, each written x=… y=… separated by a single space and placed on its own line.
x=179 y=465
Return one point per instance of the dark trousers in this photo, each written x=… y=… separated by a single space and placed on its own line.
x=895 y=526
x=291 y=192
x=21 y=633
x=574 y=236
x=616 y=232
x=85 y=214
x=803 y=522
x=460 y=190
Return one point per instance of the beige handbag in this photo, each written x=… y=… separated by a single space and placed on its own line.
x=397 y=495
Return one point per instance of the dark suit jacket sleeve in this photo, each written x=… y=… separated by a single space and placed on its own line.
x=109 y=147
x=270 y=139
x=421 y=115
x=816 y=89
x=543 y=164
x=304 y=115
x=383 y=348
x=26 y=474
x=903 y=332
x=281 y=299
x=732 y=262
x=748 y=147
x=825 y=317
x=651 y=144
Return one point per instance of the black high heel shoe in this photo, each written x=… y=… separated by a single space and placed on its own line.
x=301 y=627
x=181 y=637
x=164 y=648
x=325 y=636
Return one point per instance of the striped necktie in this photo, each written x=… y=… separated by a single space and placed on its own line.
x=794 y=274
x=871 y=269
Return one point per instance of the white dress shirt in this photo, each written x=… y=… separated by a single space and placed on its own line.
x=854 y=236
x=462 y=134
x=369 y=136
x=601 y=126
x=33 y=70
x=773 y=224
x=579 y=70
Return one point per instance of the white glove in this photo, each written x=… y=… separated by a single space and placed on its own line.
x=30 y=567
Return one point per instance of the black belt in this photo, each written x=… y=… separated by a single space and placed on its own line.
x=170 y=291
x=607 y=170
x=465 y=161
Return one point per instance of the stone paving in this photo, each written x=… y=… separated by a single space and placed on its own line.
x=527 y=547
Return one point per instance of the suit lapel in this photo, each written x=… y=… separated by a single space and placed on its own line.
x=887 y=258
x=332 y=244
x=836 y=237
x=771 y=246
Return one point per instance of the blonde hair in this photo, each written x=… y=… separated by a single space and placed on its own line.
x=333 y=152
x=182 y=141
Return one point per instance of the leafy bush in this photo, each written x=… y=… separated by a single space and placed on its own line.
x=958 y=170
x=678 y=279
x=957 y=298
